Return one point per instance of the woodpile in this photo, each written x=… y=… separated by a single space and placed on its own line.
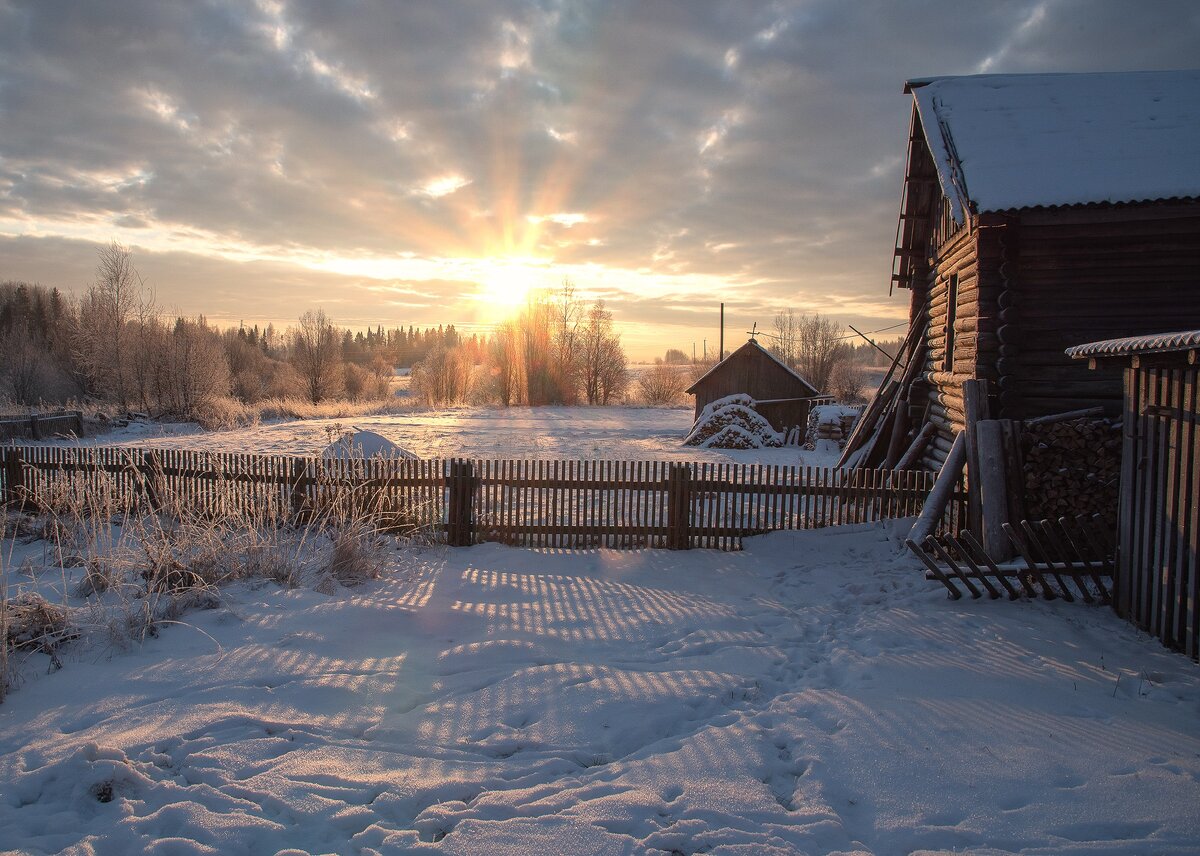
x=1072 y=467
x=830 y=422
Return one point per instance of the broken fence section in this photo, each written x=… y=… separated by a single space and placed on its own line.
x=1068 y=558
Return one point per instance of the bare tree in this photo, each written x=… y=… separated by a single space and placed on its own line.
x=602 y=360
x=662 y=385
x=23 y=368
x=787 y=335
x=846 y=382
x=193 y=367
x=316 y=354
x=107 y=307
x=444 y=376
x=819 y=347
x=506 y=365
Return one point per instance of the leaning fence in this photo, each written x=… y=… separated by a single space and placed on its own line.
x=568 y=504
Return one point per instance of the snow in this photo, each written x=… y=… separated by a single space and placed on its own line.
x=833 y=414
x=547 y=433
x=1015 y=141
x=360 y=445
x=732 y=422
x=810 y=694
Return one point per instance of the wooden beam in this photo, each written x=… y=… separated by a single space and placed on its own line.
x=993 y=488
x=943 y=491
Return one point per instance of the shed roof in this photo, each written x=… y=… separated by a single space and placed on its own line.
x=760 y=350
x=1008 y=141
x=1157 y=343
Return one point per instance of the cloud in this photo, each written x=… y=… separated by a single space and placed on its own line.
x=666 y=154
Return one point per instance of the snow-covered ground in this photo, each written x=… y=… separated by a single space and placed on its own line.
x=811 y=694
x=612 y=433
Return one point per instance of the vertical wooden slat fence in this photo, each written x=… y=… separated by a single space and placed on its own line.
x=577 y=504
x=1158 y=584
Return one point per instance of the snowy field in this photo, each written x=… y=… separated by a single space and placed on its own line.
x=611 y=433
x=812 y=694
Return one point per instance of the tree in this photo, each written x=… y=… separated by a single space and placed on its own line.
x=676 y=357
x=193 y=367
x=787 y=334
x=602 y=360
x=315 y=354
x=117 y=292
x=819 y=347
x=444 y=376
x=662 y=385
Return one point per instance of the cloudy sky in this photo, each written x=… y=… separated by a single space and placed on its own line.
x=427 y=162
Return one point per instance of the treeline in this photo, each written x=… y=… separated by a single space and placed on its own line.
x=111 y=344
x=556 y=350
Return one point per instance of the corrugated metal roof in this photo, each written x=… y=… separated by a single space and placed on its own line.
x=1156 y=343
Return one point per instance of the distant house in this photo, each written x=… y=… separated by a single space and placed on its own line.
x=782 y=396
x=1040 y=211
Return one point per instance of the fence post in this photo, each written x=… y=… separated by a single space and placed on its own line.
x=14 y=476
x=462 y=490
x=35 y=428
x=78 y=414
x=299 y=476
x=149 y=469
x=679 y=507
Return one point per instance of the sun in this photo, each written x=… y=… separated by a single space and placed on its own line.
x=505 y=286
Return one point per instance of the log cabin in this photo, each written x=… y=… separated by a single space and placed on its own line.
x=1039 y=211
x=781 y=395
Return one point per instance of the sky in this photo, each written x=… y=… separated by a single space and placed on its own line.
x=429 y=163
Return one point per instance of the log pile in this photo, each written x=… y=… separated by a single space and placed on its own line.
x=830 y=422
x=1072 y=467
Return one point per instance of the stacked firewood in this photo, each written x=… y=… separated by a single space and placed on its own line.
x=1072 y=468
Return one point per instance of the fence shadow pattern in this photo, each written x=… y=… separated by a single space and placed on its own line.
x=566 y=504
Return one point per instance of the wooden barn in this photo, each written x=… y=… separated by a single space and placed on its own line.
x=782 y=396
x=1038 y=211
x=1158 y=522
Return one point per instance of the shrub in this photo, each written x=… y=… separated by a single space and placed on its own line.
x=662 y=385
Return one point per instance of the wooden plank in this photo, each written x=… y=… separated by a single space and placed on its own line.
x=992 y=487
x=1057 y=549
x=1031 y=563
x=965 y=556
x=937 y=572
x=1041 y=554
x=972 y=545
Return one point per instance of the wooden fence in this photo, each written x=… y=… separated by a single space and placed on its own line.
x=40 y=426
x=561 y=504
x=1158 y=582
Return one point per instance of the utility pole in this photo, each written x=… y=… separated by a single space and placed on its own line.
x=721 y=353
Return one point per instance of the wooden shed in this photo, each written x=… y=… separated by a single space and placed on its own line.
x=1158 y=518
x=1037 y=212
x=782 y=396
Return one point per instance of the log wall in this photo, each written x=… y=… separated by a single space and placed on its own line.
x=1081 y=275
x=1035 y=282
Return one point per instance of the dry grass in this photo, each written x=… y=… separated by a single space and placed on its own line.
x=145 y=567
x=225 y=413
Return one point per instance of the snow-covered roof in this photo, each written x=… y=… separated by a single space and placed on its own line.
x=1009 y=141
x=753 y=343
x=1157 y=343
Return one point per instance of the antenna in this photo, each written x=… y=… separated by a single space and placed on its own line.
x=753 y=332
